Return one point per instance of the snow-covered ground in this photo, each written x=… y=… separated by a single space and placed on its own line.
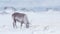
x=40 y=23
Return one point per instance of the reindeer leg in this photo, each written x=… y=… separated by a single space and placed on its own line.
x=21 y=24
x=14 y=23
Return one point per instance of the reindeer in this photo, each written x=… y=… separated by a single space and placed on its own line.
x=21 y=18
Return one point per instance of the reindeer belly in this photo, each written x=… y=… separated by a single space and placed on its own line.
x=20 y=19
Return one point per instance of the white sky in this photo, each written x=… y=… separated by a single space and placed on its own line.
x=30 y=3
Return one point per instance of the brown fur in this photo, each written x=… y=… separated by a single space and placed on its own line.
x=20 y=17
